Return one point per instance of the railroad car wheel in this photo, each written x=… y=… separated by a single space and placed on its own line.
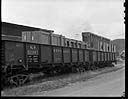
x=18 y=80
x=81 y=70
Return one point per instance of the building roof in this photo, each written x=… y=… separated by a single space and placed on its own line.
x=6 y=24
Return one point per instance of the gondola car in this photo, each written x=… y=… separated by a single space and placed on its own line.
x=22 y=58
x=48 y=53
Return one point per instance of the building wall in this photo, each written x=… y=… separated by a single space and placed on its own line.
x=16 y=30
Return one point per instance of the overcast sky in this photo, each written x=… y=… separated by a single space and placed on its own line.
x=68 y=17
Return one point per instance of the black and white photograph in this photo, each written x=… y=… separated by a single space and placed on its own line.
x=63 y=48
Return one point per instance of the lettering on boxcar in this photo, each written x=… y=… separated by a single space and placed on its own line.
x=33 y=53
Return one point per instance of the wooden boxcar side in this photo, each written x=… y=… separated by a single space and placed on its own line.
x=108 y=56
x=14 y=53
x=46 y=54
x=86 y=55
x=94 y=56
x=57 y=54
x=105 y=56
x=66 y=55
x=81 y=55
x=32 y=55
x=74 y=54
x=102 y=56
x=99 y=56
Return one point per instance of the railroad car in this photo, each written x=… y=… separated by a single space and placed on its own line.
x=21 y=58
x=55 y=55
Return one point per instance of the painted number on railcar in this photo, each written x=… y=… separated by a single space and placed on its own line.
x=32 y=53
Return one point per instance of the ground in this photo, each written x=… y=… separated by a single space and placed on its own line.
x=109 y=81
x=109 y=84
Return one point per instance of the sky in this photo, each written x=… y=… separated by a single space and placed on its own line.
x=69 y=17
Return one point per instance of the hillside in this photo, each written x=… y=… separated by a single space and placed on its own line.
x=120 y=45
